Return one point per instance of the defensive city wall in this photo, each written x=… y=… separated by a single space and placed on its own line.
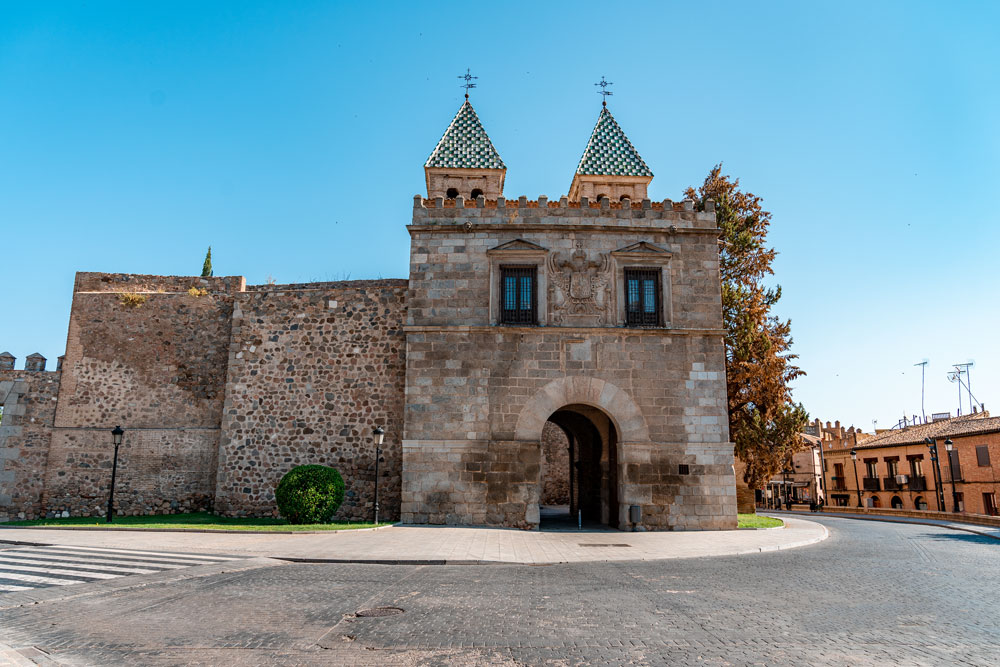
x=221 y=388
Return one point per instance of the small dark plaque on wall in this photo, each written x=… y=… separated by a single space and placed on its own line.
x=683 y=469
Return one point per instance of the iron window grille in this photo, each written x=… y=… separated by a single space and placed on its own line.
x=518 y=295
x=643 y=307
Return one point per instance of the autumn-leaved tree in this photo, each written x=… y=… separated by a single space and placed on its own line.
x=764 y=422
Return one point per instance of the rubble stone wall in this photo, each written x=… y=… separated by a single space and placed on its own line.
x=555 y=466
x=147 y=353
x=28 y=399
x=311 y=373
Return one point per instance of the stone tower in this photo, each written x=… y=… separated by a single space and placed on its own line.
x=610 y=166
x=599 y=319
x=465 y=163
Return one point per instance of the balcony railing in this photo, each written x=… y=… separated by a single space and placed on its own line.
x=890 y=484
x=917 y=483
x=870 y=483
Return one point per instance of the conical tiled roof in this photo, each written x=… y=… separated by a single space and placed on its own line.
x=609 y=152
x=465 y=144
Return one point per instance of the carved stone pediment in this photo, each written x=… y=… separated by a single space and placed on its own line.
x=517 y=246
x=642 y=249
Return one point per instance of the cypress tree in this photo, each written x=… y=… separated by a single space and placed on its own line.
x=206 y=268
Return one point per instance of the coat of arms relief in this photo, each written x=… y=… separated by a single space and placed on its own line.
x=580 y=288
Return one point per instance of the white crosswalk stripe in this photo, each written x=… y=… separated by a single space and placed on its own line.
x=26 y=568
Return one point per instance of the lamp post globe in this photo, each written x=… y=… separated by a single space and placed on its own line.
x=379 y=434
x=117 y=435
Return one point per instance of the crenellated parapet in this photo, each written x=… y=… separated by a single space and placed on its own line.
x=605 y=212
x=33 y=363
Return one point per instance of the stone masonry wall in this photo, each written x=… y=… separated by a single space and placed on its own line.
x=311 y=373
x=472 y=386
x=145 y=353
x=29 y=404
x=555 y=466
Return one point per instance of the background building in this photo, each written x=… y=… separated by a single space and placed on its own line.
x=895 y=468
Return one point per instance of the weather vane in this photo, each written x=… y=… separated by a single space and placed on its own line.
x=468 y=81
x=604 y=90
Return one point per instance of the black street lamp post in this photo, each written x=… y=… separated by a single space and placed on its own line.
x=117 y=433
x=948 y=446
x=936 y=470
x=857 y=483
x=379 y=434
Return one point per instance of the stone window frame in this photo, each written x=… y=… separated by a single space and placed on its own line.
x=519 y=252
x=643 y=255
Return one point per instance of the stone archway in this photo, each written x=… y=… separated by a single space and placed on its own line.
x=593 y=468
x=616 y=403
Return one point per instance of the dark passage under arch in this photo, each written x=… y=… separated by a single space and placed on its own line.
x=587 y=470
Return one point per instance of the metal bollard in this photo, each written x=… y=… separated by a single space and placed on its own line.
x=635 y=515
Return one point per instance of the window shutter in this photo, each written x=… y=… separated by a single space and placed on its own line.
x=983 y=456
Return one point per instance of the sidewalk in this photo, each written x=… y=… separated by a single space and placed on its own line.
x=986 y=531
x=440 y=545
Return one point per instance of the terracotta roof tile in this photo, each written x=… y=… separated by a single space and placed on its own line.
x=981 y=422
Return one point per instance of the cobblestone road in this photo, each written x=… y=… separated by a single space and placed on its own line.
x=874 y=593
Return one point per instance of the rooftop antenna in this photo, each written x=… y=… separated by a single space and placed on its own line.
x=956 y=376
x=604 y=92
x=468 y=81
x=968 y=377
x=923 y=371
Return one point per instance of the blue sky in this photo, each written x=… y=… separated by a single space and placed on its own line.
x=291 y=137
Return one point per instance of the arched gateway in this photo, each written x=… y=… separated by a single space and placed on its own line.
x=600 y=318
x=581 y=455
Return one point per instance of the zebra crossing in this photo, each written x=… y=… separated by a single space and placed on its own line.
x=27 y=568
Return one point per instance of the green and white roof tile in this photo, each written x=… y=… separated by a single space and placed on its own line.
x=609 y=152
x=465 y=144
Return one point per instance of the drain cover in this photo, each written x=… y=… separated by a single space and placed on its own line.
x=376 y=612
x=591 y=544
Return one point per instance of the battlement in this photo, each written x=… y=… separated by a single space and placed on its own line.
x=140 y=283
x=564 y=211
x=562 y=202
x=33 y=363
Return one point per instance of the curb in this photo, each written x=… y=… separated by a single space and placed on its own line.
x=891 y=519
x=214 y=531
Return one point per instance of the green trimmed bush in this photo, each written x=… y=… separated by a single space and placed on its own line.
x=310 y=494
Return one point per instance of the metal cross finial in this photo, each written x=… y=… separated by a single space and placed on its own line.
x=604 y=90
x=468 y=81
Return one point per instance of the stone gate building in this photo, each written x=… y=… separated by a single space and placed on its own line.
x=591 y=323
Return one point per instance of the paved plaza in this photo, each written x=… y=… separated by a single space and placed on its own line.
x=929 y=598
x=452 y=545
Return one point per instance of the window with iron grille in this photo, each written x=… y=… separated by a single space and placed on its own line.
x=642 y=297
x=518 y=295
